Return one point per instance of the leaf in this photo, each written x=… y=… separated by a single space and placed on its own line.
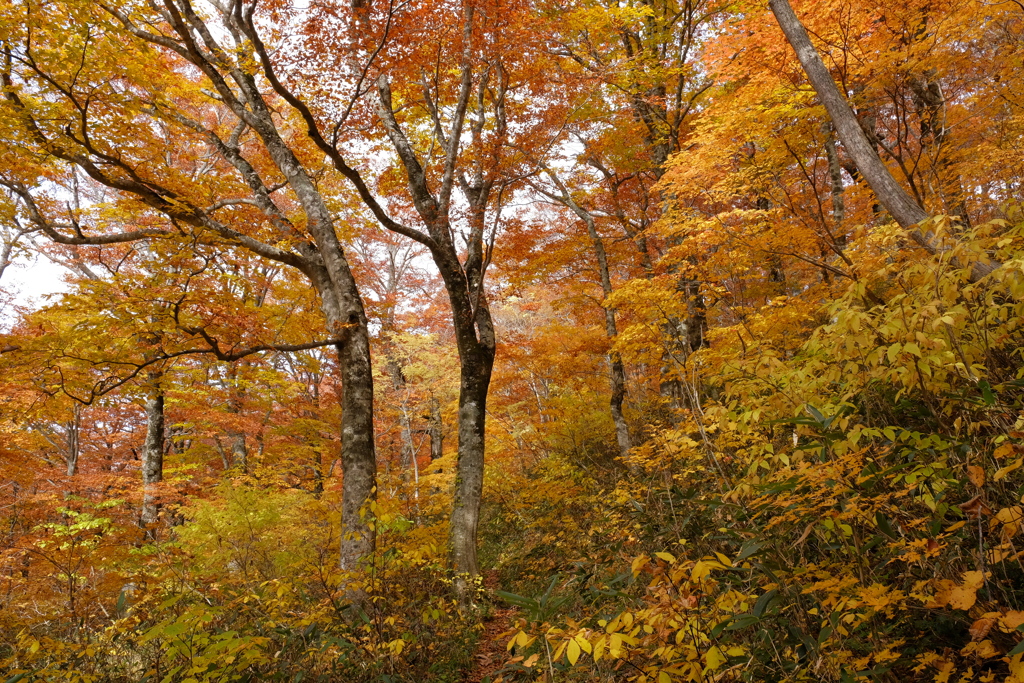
x=884 y=526
x=742 y=621
x=762 y=602
x=517 y=600
x=980 y=628
x=976 y=475
x=1003 y=471
x=975 y=508
x=715 y=658
x=986 y=393
x=749 y=549
x=572 y=652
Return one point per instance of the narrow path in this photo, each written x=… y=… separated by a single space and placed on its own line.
x=491 y=652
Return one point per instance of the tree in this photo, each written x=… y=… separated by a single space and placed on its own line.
x=904 y=208
x=154 y=140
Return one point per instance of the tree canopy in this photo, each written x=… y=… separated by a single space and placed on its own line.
x=512 y=340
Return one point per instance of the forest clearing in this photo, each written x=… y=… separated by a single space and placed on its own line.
x=511 y=341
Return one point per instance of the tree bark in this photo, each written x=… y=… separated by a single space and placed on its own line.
x=903 y=208
x=436 y=430
x=152 y=461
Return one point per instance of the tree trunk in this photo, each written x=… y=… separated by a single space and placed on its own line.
x=907 y=212
x=152 y=461
x=358 y=456
x=436 y=430
x=398 y=384
x=469 y=480
x=74 y=442
x=618 y=371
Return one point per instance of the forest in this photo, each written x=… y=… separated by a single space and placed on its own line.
x=512 y=341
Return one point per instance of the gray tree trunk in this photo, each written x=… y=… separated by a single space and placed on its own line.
x=152 y=461
x=903 y=208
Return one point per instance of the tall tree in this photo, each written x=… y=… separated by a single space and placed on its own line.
x=907 y=211
x=157 y=103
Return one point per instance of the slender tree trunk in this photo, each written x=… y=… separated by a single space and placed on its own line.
x=358 y=456
x=239 y=451
x=618 y=371
x=74 y=440
x=398 y=384
x=435 y=430
x=907 y=212
x=835 y=173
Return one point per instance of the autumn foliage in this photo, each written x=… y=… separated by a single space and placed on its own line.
x=512 y=341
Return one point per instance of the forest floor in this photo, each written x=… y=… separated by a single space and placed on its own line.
x=491 y=651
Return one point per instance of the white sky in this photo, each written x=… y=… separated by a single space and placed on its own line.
x=29 y=281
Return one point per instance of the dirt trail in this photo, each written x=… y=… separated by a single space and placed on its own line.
x=491 y=652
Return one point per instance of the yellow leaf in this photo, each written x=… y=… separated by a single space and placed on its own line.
x=599 y=648
x=1003 y=471
x=573 y=652
x=615 y=647
x=974 y=579
x=1012 y=619
x=1004 y=450
x=639 y=563
x=668 y=557
x=715 y=658
x=583 y=643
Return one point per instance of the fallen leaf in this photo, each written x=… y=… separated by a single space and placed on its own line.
x=976 y=475
x=975 y=508
x=980 y=628
x=1012 y=619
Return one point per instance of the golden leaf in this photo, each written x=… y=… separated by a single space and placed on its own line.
x=980 y=628
x=1012 y=619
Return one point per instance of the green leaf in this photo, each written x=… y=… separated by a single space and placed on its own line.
x=762 y=602
x=818 y=417
x=517 y=600
x=742 y=621
x=885 y=526
x=986 y=393
x=749 y=549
